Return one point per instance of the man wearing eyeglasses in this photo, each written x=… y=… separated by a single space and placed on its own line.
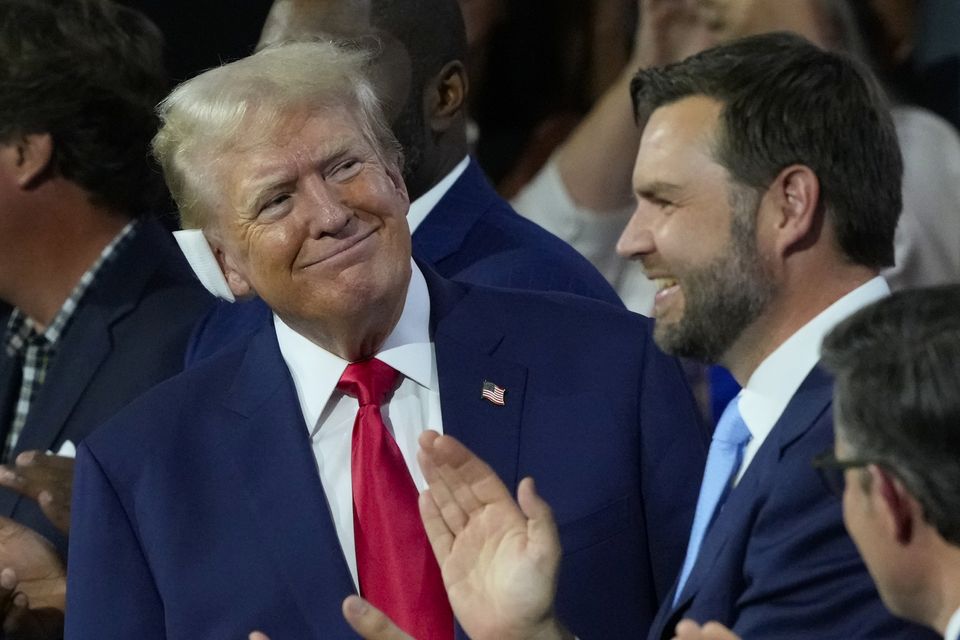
x=896 y=461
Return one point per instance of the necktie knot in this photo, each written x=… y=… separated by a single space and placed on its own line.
x=369 y=381
x=731 y=429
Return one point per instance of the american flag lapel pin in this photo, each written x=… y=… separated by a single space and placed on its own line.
x=492 y=393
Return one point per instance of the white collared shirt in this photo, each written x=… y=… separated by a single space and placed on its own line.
x=953 y=627
x=776 y=380
x=422 y=206
x=329 y=414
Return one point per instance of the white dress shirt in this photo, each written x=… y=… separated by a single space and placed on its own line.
x=329 y=414
x=776 y=380
x=953 y=627
x=422 y=206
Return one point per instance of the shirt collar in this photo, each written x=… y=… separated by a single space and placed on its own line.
x=953 y=627
x=776 y=380
x=422 y=206
x=316 y=371
x=22 y=330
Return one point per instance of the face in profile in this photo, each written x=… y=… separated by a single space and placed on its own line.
x=695 y=233
x=312 y=219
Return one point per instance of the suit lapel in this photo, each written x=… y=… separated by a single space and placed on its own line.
x=445 y=228
x=86 y=341
x=808 y=403
x=277 y=473
x=468 y=340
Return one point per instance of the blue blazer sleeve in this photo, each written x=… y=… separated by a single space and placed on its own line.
x=673 y=454
x=106 y=557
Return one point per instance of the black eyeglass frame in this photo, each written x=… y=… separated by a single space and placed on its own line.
x=830 y=470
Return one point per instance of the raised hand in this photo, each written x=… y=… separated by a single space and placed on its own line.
x=46 y=478
x=40 y=574
x=499 y=557
x=670 y=30
x=33 y=584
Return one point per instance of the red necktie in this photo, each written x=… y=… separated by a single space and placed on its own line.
x=397 y=569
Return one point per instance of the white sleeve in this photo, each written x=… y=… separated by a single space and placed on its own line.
x=546 y=201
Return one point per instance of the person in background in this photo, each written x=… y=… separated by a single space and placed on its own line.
x=101 y=301
x=585 y=200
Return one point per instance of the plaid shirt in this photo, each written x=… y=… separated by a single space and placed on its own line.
x=24 y=339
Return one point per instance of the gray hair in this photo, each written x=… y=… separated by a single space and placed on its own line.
x=897 y=369
x=243 y=102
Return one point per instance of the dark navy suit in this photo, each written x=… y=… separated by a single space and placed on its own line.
x=471 y=235
x=199 y=511
x=777 y=562
x=128 y=333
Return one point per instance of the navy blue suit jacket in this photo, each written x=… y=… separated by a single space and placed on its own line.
x=777 y=561
x=199 y=511
x=128 y=333
x=472 y=235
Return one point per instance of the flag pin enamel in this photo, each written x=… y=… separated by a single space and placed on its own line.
x=492 y=393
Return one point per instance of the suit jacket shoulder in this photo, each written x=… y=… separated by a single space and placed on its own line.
x=474 y=235
x=128 y=333
x=777 y=561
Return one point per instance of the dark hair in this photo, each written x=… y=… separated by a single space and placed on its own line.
x=897 y=394
x=786 y=102
x=89 y=73
x=431 y=30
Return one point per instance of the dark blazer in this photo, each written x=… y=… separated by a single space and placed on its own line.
x=199 y=512
x=472 y=235
x=128 y=333
x=777 y=562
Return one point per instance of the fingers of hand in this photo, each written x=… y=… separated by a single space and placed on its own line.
x=541 y=526
x=438 y=533
x=35 y=472
x=369 y=622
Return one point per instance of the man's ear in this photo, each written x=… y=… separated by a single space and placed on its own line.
x=796 y=212
x=446 y=95
x=30 y=157
x=239 y=284
x=898 y=507
x=395 y=174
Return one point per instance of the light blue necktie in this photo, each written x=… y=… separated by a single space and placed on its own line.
x=723 y=462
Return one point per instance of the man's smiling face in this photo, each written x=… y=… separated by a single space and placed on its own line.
x=313 y=220
x=695 y=233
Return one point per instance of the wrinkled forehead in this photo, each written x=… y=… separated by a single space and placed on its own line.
x=277 y=142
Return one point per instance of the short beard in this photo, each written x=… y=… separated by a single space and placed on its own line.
x=724 y=297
